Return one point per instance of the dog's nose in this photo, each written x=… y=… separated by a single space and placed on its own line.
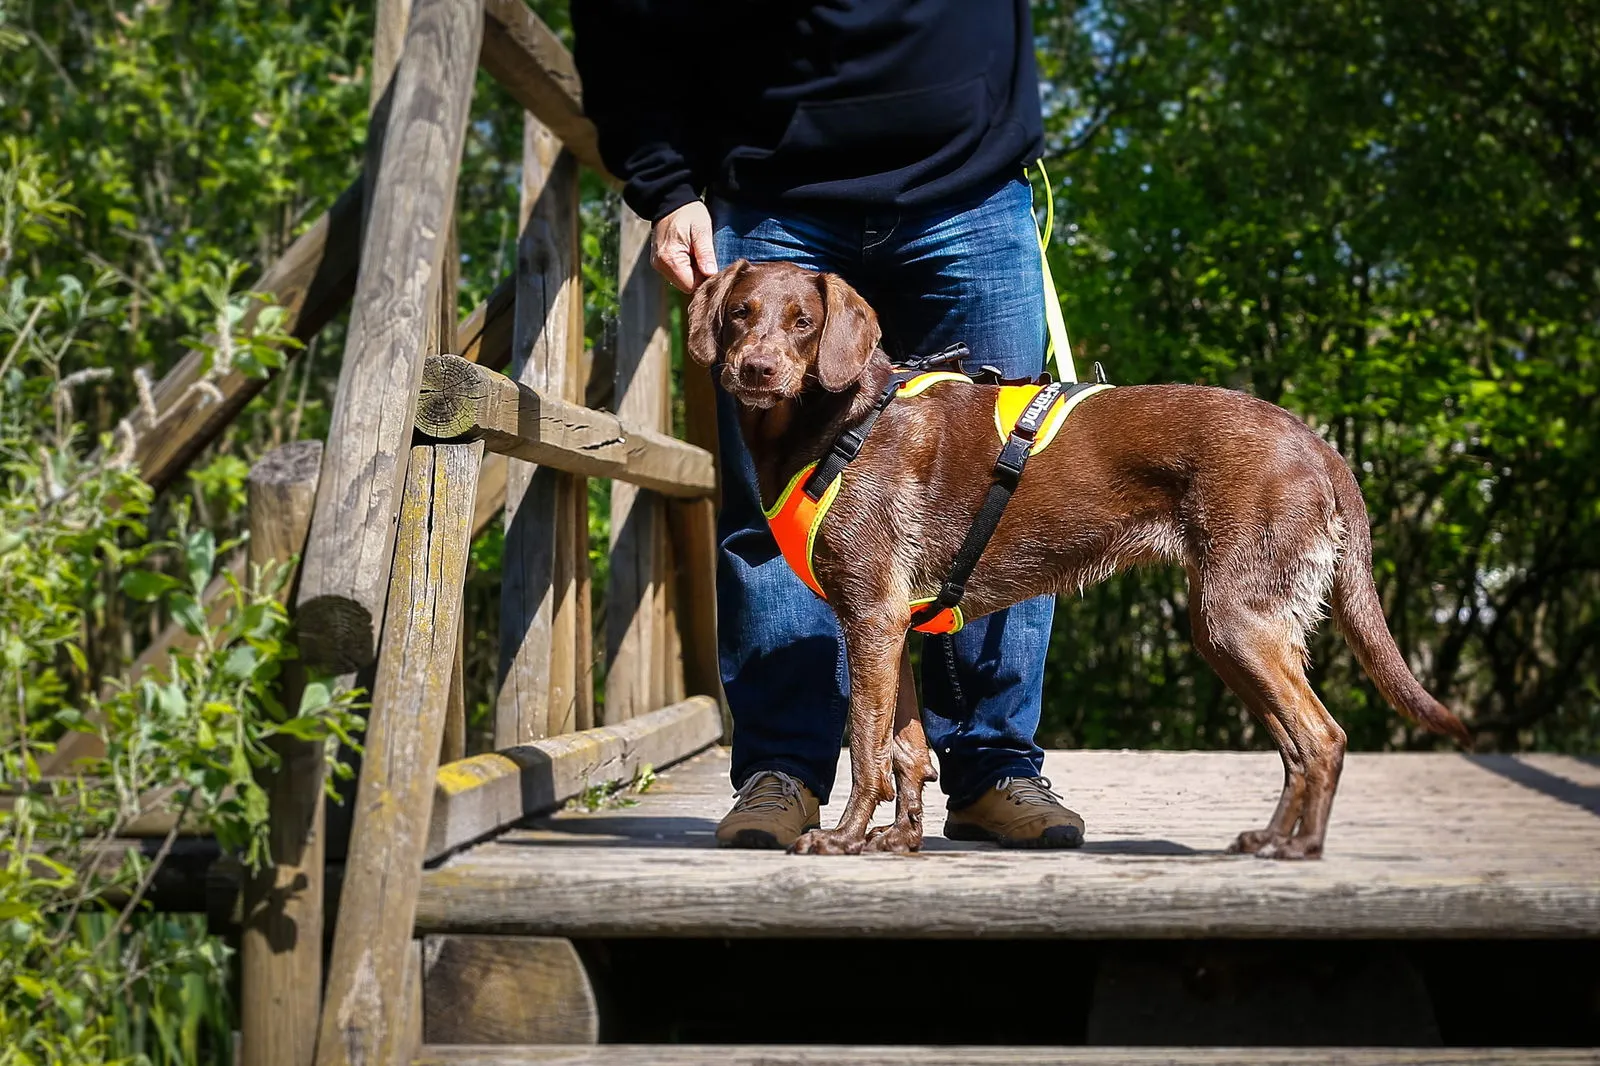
x=754 y=373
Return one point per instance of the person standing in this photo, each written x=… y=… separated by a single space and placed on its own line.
x=884 y=141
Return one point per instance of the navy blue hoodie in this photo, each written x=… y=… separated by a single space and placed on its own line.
x=860 y=103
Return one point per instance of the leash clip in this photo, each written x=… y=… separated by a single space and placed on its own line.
x=952 y=354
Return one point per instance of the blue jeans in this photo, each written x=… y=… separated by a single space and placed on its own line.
x=969 y=274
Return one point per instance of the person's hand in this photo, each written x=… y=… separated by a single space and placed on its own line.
x=683 y=251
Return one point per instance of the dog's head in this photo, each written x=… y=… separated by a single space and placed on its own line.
x=775 y=327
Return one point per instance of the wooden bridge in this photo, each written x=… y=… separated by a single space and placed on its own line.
x=479 y=922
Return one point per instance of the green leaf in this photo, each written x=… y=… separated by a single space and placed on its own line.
x=241 y=662
x=79 y=660
x=147 y=585
x=314 y=697
x=200 y=557
x=188 y=613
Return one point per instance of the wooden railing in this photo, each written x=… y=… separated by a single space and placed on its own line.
x=437 y=427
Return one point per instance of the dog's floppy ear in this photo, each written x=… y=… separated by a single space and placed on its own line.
x=849 y=335
x=705 y=313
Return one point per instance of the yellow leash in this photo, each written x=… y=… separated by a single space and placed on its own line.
x=1055 y=322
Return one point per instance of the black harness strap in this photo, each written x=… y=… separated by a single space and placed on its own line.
x=1007 y=475
x=851 y=441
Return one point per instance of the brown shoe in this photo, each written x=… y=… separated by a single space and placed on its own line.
x=1018 y=812
x=771 y=810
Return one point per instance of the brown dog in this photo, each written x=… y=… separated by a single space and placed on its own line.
x=1263 y=515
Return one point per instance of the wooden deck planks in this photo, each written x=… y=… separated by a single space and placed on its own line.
x=1421 y=845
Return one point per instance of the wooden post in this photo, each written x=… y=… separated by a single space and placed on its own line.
x=347 y=561
x=441 y=340
x=364 y=1020
x=632 y=607
x=694 y=543
x=538 y=601
x=280 y=949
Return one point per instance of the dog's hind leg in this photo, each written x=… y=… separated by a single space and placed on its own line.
x=913 y=768
x=1259 y=655
x=874 y=644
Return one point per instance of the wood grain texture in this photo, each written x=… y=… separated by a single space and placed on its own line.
x=481 y=795
x=346 y=567
x=411 y=997
x=484 y=336
x=833 y=1055
x=453 y=744
x=693 y=524
x=580 y=716
x=441 y=340
x=506 y=990
x=280 y=951
x=388 y=37
x=311 y=281
x=694 y=546
x=463 y=401
x=634 y=636
x=524 y=56
x=362 y=1020
x=1420 y=846
x=537 y=674
x=491 y=498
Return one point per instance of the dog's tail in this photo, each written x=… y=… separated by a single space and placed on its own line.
x=1360 y=615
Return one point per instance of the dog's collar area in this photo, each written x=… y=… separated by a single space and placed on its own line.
x=797 y=515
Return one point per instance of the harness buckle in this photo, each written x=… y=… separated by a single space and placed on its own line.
x=1013 y=457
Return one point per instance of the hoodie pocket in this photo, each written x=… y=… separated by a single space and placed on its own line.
x=831 y=140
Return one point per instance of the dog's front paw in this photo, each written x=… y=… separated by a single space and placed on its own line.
x=1291 y=849
x=897 y=839
x=829 y=842
x=1253 y=841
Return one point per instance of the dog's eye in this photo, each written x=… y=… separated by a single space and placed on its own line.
x=802 y=322
x=740 y=313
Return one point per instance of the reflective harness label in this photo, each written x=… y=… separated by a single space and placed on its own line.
x=796 y=517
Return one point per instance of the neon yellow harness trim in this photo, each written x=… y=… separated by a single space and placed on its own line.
x=795 y=519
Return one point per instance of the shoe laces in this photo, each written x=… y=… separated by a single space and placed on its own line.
x=769 y=790
x=1029 y=791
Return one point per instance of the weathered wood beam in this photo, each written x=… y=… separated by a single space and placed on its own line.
x=311 y=282
x=537 y=668
x=484 y=336
x=364 y=1017
x=346 y=568
x=463 y=401
x=280 y=950
x=506 y=990
x=694 y=549
x=523 y=55
x=694 y=542
x=634 y=633
x=485 y=793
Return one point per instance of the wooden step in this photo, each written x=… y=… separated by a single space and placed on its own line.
x=1421 y=846
x=824 y=1055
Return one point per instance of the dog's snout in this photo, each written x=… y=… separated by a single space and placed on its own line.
x=757 y=371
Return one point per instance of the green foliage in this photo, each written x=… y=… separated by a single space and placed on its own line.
x=1384 y=216
x=610 y=795
x=84 y=976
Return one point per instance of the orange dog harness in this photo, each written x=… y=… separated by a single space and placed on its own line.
x=797 y=515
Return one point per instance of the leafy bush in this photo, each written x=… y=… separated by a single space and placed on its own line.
x=183 y=742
